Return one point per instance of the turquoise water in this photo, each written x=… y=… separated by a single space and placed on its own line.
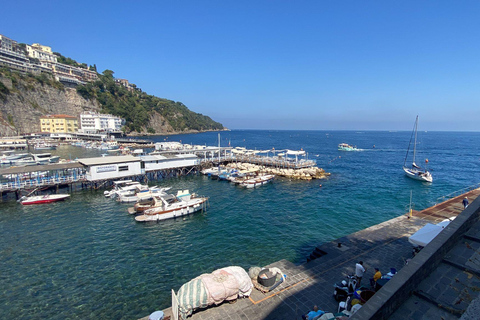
x=87 y=258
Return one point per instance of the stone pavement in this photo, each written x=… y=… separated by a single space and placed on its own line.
x=384 y=246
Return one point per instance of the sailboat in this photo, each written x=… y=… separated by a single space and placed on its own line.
x=415 y=171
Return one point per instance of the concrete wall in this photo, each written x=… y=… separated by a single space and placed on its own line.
x=401 y=287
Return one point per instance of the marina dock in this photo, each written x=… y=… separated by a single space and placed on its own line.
x=443 y=276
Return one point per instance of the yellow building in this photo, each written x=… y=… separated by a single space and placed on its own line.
x=58 y=123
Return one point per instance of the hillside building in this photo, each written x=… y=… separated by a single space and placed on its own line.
x=92 y=122
x=37 y=58
x=126 y=84
x=62 y=72
x=12 y=57
x=59 y=123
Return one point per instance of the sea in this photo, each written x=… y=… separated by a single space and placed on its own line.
x=87 y=258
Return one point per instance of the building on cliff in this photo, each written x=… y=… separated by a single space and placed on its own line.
x=37 y=58
x=92 y=122
x=12 y=57
x=59 y=123
x=62 y=72
x=124 y=82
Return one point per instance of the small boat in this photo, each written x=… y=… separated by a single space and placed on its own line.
x=347 y=147
x=43 y=199
x=170 y=206
x=257 y=181
x=45 y=158
x=141 y=193
x=45 y=146
x=123 y=187
x=416 y=172
x=27 y=161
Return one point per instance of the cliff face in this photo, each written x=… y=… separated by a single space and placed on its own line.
x=26 y=101
x=25 y=98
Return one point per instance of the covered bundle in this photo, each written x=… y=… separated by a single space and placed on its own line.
x=213 y=288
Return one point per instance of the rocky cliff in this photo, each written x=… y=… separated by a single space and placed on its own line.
x=25 y=98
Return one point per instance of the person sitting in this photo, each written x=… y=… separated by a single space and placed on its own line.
x=376 y=276
x=312 y=315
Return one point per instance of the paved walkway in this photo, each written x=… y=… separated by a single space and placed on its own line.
x=384 y=246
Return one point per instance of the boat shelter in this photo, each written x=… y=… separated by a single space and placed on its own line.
x=112 y=167
x=28 y=177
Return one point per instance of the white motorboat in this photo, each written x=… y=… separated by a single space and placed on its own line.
x=416 y=172
x=43 y=199
x=170 y=206
x=123 y=187
x=45 y=158
x=45 y=146
x=257 y=181
x=141 y=193
x=27 y=161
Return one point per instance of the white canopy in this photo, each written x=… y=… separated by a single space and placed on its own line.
x=423 y=236
x=301 y=152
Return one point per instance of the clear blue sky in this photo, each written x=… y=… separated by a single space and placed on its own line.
x=358 y=65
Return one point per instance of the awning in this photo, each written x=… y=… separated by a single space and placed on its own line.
x=295 y=152
x=423 y=236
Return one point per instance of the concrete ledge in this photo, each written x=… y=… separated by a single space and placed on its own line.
x=384 y=303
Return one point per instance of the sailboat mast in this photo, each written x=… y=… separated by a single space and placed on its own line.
x=219 y=151
x=415 y=144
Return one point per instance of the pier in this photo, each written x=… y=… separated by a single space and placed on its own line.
x=443 y=277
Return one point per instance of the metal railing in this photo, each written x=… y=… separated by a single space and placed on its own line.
x=40 y=182
x=457 y=193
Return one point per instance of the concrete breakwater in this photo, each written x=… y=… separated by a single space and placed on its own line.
x=298 y=174
x=440 y=282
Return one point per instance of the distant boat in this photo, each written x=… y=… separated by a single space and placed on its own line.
x=414 y=171
x=43 y=199
x=347 y=147
x=45 y=146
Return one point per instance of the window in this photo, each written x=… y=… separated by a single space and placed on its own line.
x=123 y=168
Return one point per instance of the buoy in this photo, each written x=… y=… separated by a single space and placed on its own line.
x=320 y=186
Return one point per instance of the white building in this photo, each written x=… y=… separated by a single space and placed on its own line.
x=92 y=122
x=42 y=53
x=113 y=167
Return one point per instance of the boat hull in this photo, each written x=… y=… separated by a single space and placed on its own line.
x=257 y=182
x=44 y=199
x=180 y=211
x=418 y=175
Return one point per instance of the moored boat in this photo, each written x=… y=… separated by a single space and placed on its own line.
x=43 y=199
x=123 y=187
x=45 y=158
x=45 y=146
x=170 y=206
x=257 y=181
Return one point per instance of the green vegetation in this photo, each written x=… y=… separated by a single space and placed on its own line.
x=10 y=120
x=137 y=107
x=29 y=80
x=69 y=61
x=3 y=91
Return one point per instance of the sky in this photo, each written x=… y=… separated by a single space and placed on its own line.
x=296 y=65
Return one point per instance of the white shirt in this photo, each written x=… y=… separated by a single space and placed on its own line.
x=359 y=270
